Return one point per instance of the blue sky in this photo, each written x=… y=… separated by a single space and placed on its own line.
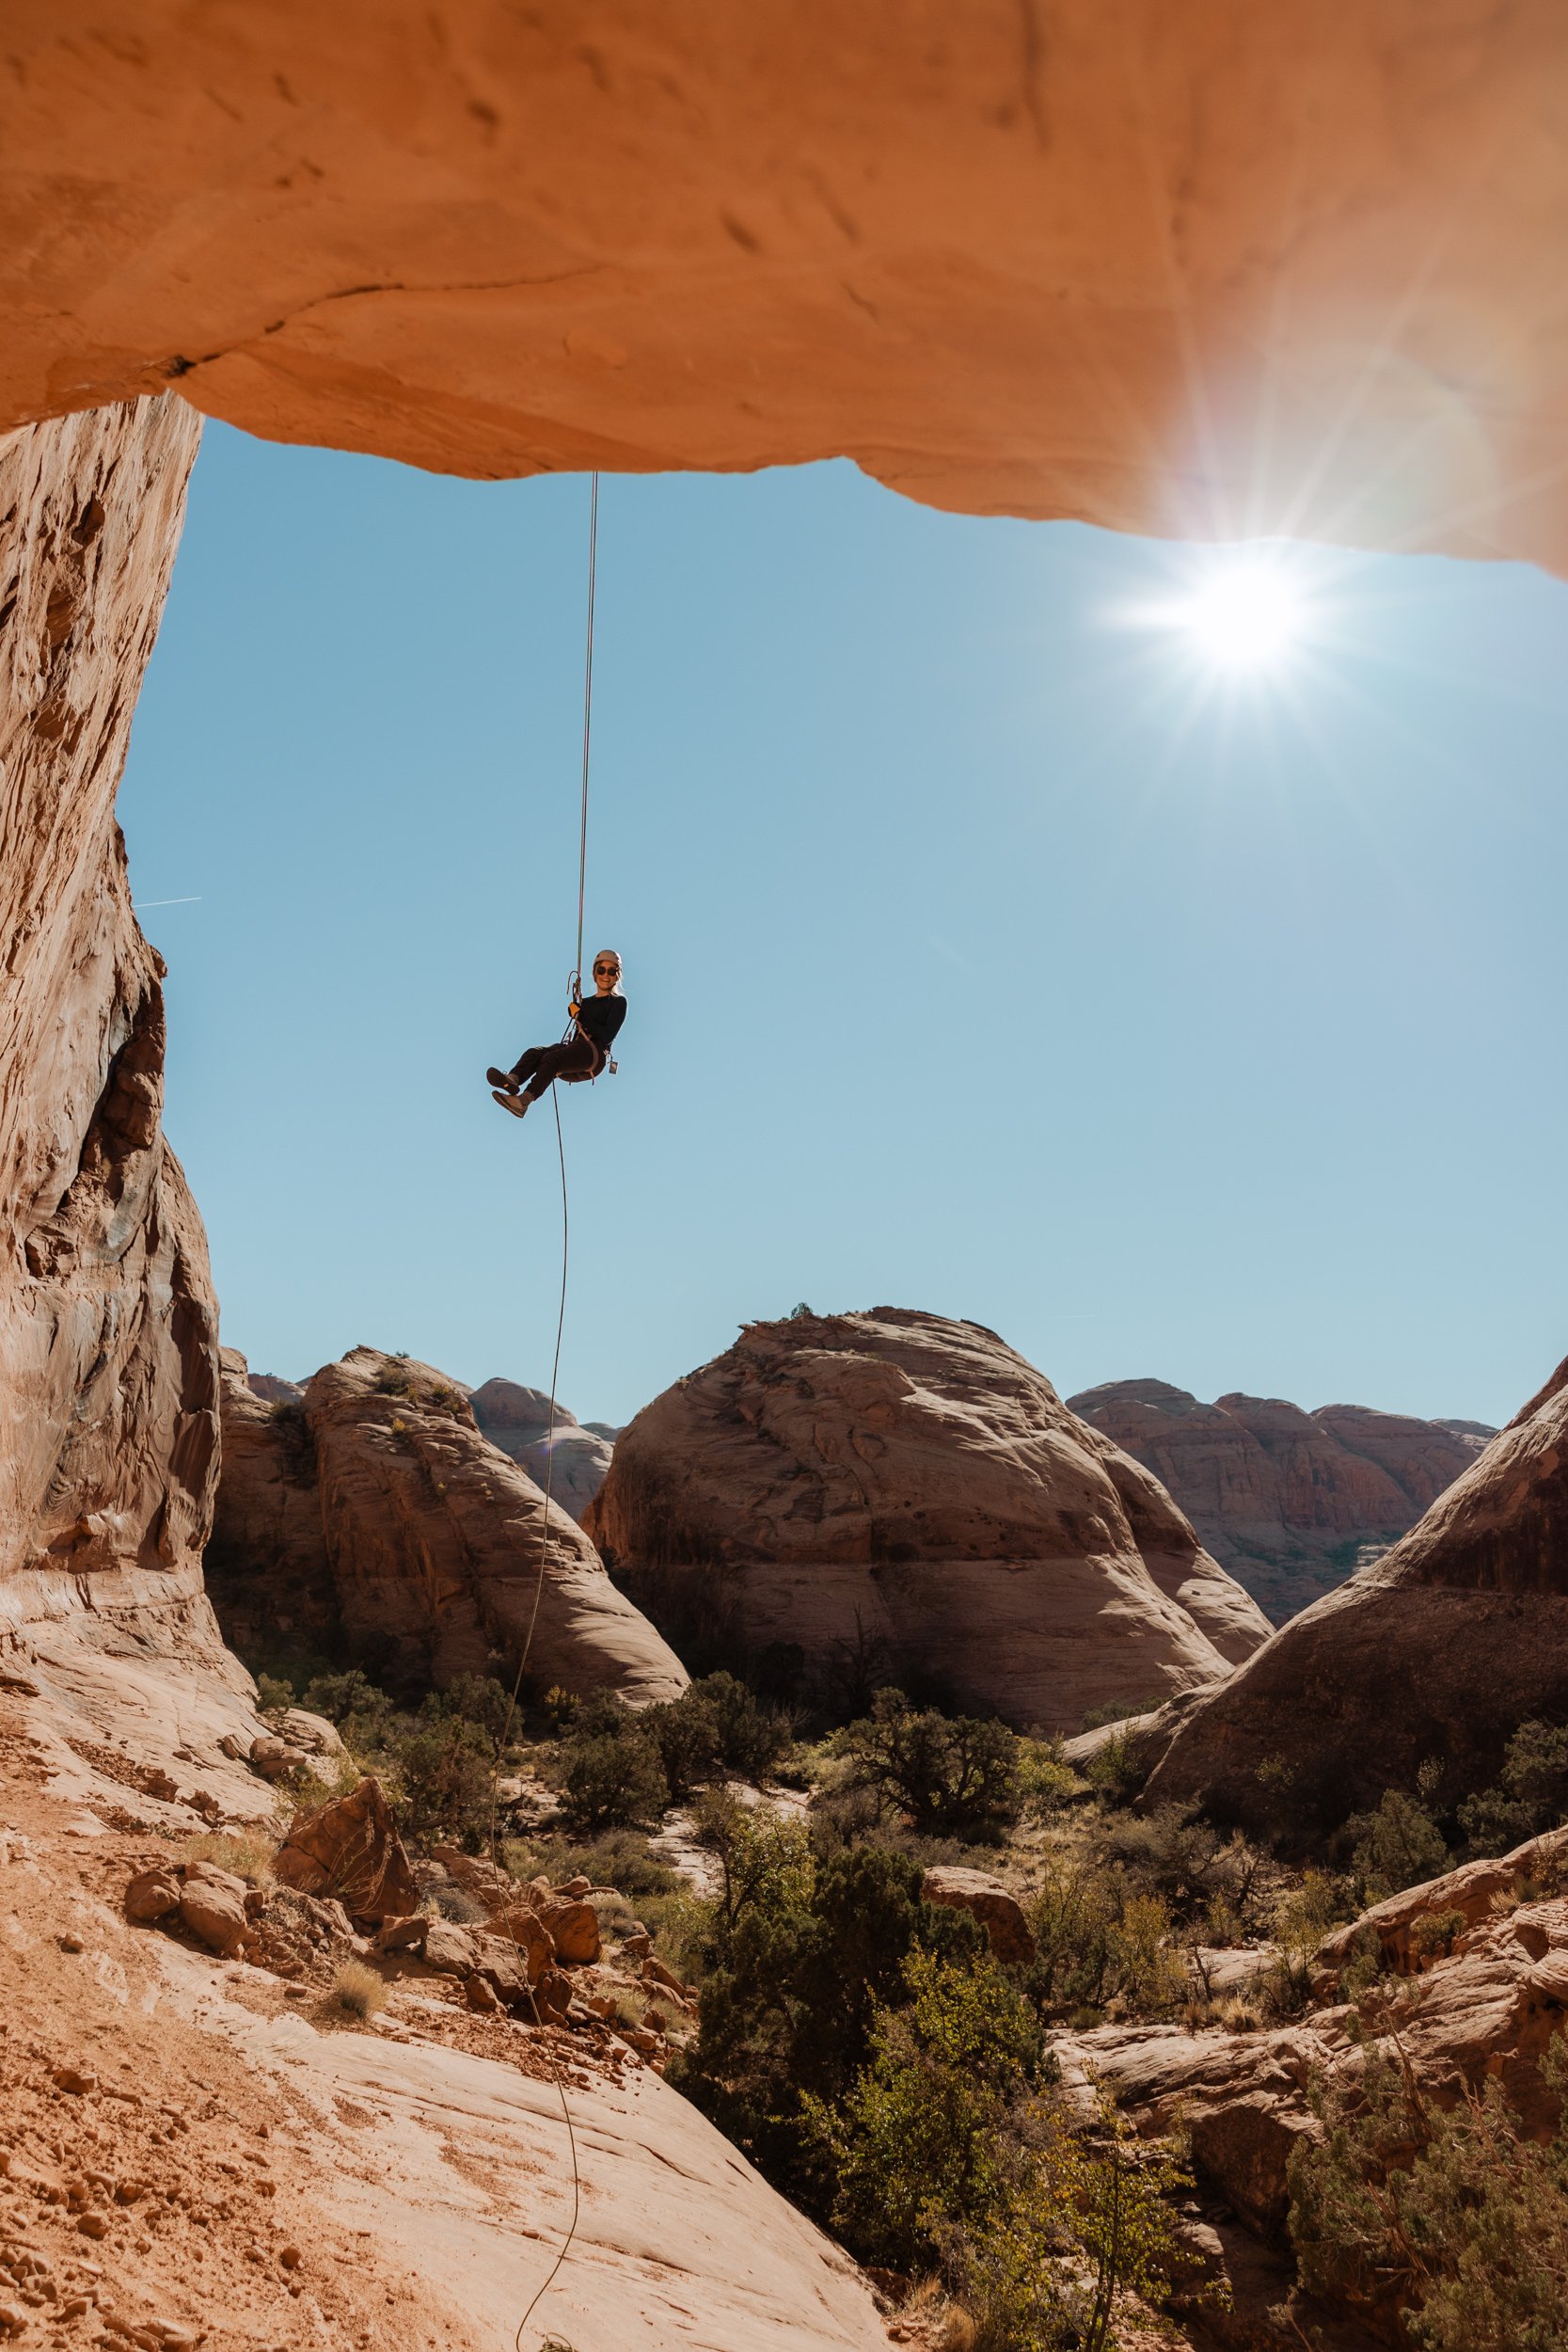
x=985 y=951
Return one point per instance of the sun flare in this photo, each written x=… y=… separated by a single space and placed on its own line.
x=1241 y=614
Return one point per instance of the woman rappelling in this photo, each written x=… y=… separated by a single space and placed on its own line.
x=583 y=1054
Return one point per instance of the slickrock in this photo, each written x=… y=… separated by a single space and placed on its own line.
x=1439 y=1650
x=1289 y=1502
x=1219 y=269
x=378 y=1521
x=518 y=1421
x=899 y=1478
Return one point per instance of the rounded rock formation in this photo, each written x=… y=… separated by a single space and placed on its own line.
x=834 y=1481
x=1436 y=1652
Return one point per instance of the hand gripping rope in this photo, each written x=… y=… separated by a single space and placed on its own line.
x=549 y=1437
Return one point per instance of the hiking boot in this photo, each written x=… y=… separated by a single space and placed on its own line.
x=502 y=1080
x=516 y=1104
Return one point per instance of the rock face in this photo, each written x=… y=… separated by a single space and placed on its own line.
x=1494 y=1995
x=897 y=1477
x=1440 y=1650
x=109 y=1374
x=268 y=1570
x=1202 y=271
x=376 y=1521
x=517 y=1420
x=349 y=1848
x=1290 y=1502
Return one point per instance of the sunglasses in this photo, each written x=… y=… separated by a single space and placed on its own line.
x=605 y=967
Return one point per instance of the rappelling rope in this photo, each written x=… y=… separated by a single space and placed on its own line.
x=549 y=1436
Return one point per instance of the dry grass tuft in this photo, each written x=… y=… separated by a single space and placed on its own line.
x=248 y=1853
x=359 y=1990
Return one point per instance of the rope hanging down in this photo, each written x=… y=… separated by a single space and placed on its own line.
x=549 y=1435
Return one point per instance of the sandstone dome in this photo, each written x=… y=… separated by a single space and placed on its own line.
x=898 y=1476
x=1438 y=1650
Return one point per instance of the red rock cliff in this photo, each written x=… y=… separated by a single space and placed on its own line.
x=1205 y=269
x=109 y=1374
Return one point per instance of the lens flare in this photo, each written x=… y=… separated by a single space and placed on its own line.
x=1241 y=615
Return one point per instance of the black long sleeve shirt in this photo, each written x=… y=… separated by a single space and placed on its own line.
x=600 y=1018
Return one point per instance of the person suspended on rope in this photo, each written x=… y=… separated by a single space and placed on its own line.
x=595 y=1026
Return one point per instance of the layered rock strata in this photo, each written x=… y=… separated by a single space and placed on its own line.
x=1290 y=1502
x=898 y=1481
x=108 y=1373
x=1215 y=270
x=376 y=1521
x=1436 y=1652
x=551 y=1446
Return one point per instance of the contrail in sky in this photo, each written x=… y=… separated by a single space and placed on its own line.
x=138 y=904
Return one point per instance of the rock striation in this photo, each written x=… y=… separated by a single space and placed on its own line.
x=376 y=1521
x=108 y=1371
x=1213 y=272
x=1438 y=1651
x=898 y=1479
x=1289 y=1501
x=518 y=1421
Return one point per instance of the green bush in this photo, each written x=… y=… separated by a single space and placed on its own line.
x=1398 y=1846
x=1531 y=1796
x=918 y=2143
x=1456 y=2221
x=717 y=1728
x=1099 y=1943
x=803 y=1954
x=952 y=1775
x=610 y=1779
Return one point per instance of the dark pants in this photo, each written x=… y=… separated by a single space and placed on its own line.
x=542 y=1064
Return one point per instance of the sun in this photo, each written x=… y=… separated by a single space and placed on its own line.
x=1241 y=614
x=1245 y=616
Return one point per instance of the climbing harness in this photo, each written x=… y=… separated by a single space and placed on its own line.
x=549 y=1435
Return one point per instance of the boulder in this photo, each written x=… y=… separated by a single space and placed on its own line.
x=1438 y=1651
x=349 y=1848
x=1289 y=1502
x=901 y=1483
x=430 y=1541
x=274 y=1758
x=1199 y=271
x=518 y=1421
x=995 y=1906
x=153 y=1895
x=452 y=1951
x=213 y=1912
x=573 y=1929
x=526 y=1934
x=313 y=1733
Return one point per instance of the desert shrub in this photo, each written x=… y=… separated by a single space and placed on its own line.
x=716 y=1728
x=918 y=2145
x=1046 y=1781
x=1398 y=1846
x=609 y=1771
x=950 y=1774
x=1116 y=1769
x=620 y=1858
x=273 y=1693
x=1099 y=1942
x=1531 y=1796
x=359 y=1990
x=803 y=1955
x=445 y=1773
x=1198 y=1871
x=248 y=1853
x=1457 y=2220
x=1432 y=1935
x=1080 y=2224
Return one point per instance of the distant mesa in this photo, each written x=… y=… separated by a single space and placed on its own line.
x=272 y=1390
x=1434 y=1655
x=1292 y=1502
x=376 y=1521
x=897 y=1480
